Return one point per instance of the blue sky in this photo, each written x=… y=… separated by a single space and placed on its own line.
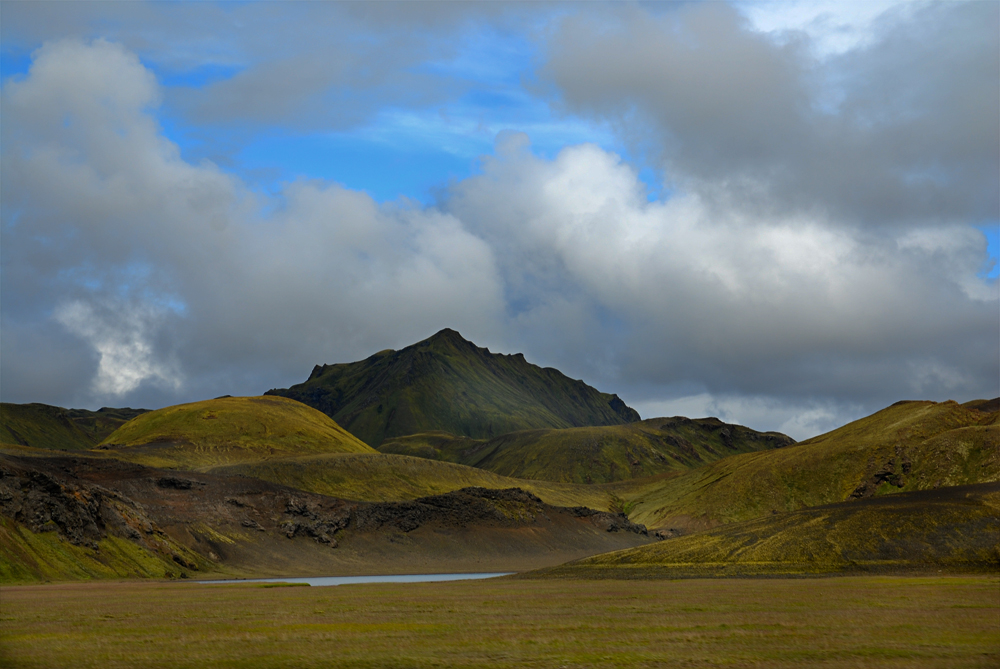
x=784 y=214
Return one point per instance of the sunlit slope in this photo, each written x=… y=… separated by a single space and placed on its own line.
x=908 y=446
x=393 y=478
x=45 y=556
x=956 y=529
x=595 y=454
x=50 y=427
x=226 y=431
x=447 y=383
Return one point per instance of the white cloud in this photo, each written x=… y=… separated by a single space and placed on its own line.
x=104 y=206
x=722 y=297
x=834 y=26
x=120 y=334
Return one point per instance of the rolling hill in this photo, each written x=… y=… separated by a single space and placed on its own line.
x=955 y=528
x=837 y=502
x=449 y=384
x=44 y=426
x=393 y=478
x=907 y=446
x=594 y=454
x=228 y=430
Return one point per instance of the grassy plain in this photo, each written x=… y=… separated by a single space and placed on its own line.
x=944 y=621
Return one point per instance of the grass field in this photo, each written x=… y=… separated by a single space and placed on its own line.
x=833 y=622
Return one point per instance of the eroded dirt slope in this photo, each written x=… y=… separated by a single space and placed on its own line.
x=85 y=509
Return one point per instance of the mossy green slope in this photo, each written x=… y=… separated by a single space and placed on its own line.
x=595 y=454
x=228 y=430
x=30 y=557
x=395 y=478
x=447 y=383
x=908 y=446
x=957 y=529
x=50 y=427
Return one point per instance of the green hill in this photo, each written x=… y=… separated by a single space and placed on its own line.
x=956 y=528
x=44 y=426
x=393 y=478
x=594 y=454
x=908 y=446
x=228 y=430
x=447 y=383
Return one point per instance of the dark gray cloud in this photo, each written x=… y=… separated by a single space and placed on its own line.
x=307 y=66
x=900 y=131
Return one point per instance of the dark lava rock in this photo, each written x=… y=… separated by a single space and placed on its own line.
x=177 y=483
x=82 y=514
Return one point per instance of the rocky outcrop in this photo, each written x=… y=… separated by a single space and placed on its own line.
x=511 y=507
x=609 y=522
x=893 y=471
x=195 y=519
x=79 y=512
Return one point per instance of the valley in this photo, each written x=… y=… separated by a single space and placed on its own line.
x=484 y=462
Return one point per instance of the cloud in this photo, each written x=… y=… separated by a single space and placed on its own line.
x=901 y=131
x=791 y=307
x=120 y=334
x=176 y=274
x=833 y=27
x=788 y=281
x=310 y=67
x=798 y=419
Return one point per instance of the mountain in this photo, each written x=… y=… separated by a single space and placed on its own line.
x=228 y=430
x=955 y=528
x=44 y=426
x=595 y=454
x=907 y=446
x=449 y=384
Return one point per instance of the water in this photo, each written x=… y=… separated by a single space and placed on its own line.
x=350 y=580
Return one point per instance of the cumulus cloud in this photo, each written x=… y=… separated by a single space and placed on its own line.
x=781 y=307
x=120 y=334
x=98 y=205
x=899 y=131
x=815 y=260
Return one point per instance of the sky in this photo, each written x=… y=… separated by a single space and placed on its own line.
x=783 y=214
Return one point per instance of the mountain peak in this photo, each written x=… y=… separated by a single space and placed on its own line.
x=447 y=333
x=447 y=383
x=448 y=336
